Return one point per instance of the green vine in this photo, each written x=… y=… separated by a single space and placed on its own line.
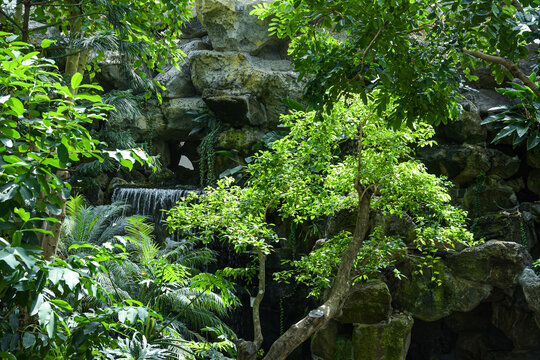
x=478 y=188
x=524 y=240
x=208 y=155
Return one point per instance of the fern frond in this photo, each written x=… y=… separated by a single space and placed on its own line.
x=125 y=104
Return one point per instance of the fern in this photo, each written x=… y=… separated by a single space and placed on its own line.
x=125 y=104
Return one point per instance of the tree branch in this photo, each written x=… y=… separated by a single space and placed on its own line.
x=11 y=20
x=366 y=50
x=518 y=6
x=509 y=65
x=66 y=19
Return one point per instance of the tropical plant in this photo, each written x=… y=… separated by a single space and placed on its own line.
x=91 y=225
x=44 y=306
x=140 y=31
x=168 y=284
x=520 y=121
x=43 y=131
x=305 y=176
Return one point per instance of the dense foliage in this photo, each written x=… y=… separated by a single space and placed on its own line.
x=308 y=175
x=411 y=51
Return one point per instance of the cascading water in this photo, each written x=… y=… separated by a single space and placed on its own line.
x=150 y=202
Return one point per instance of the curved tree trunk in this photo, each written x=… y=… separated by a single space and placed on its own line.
x=332 y=307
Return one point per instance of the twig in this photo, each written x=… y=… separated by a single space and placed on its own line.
x=513 y=68
x=11 y=20
x=366 y=50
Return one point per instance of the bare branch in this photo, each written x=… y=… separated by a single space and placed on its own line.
x=13 y=22
x=509 y=65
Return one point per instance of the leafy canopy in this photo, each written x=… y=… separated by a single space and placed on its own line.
x=308 y=175
x=411 y=51
x=43 y=129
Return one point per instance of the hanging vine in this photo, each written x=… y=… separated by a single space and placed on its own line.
x=208 y=155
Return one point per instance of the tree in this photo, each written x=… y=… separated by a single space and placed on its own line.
x=306 y=176
x=43 y=132
x=141 y=31
x=410 y=50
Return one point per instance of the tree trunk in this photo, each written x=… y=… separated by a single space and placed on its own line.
x=49 y=242
x=332 y=307
x=247 y=350
x=72 y=62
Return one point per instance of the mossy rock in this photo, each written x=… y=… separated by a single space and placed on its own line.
x=383 y=341
x=367 y=303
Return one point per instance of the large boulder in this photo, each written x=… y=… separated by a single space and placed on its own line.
x=238 y=75
x=466 y=129
x=383 y=341
x=495 y=263
x=517 y=226
x=530 y=283
x=431 y=299
x=464 y=163
x=367 y=303
x=235 y=108
x=177 y=82
x=232 y=28
x=179 y=114
x=331 y=342
x=489 y=195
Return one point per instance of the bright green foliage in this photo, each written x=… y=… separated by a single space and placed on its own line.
x=307 y=175
x=169 y=282
x=410 y=50
x=44 y=305
x=141 y=31
x=521 y=121
x=43 y=129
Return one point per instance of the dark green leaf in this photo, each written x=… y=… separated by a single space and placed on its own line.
x=63 y=154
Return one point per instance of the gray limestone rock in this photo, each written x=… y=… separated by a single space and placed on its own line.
x=463 y=163
x=331 y=342
x=239 y=139
x=513 y=226
x=179 y=114
x=496 y=263
x=490 y=195
x=466 y=129
x=424 y=299
x=232 y=28
x=177 y=82
x=234 y=108
x=267 y=81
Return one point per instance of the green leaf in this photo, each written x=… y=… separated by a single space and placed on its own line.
x=76 y=80
x=23 y=214
x=533 y=141
x=28 y=340
x=294 y=105
x=507 y=130
x=45 y=43
x=16 y=105
x=63 y=154
x=62 y=304
x=9 y=258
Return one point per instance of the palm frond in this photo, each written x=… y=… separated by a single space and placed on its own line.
x=125 y=104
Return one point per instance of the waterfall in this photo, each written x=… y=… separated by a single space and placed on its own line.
x=150 y=202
